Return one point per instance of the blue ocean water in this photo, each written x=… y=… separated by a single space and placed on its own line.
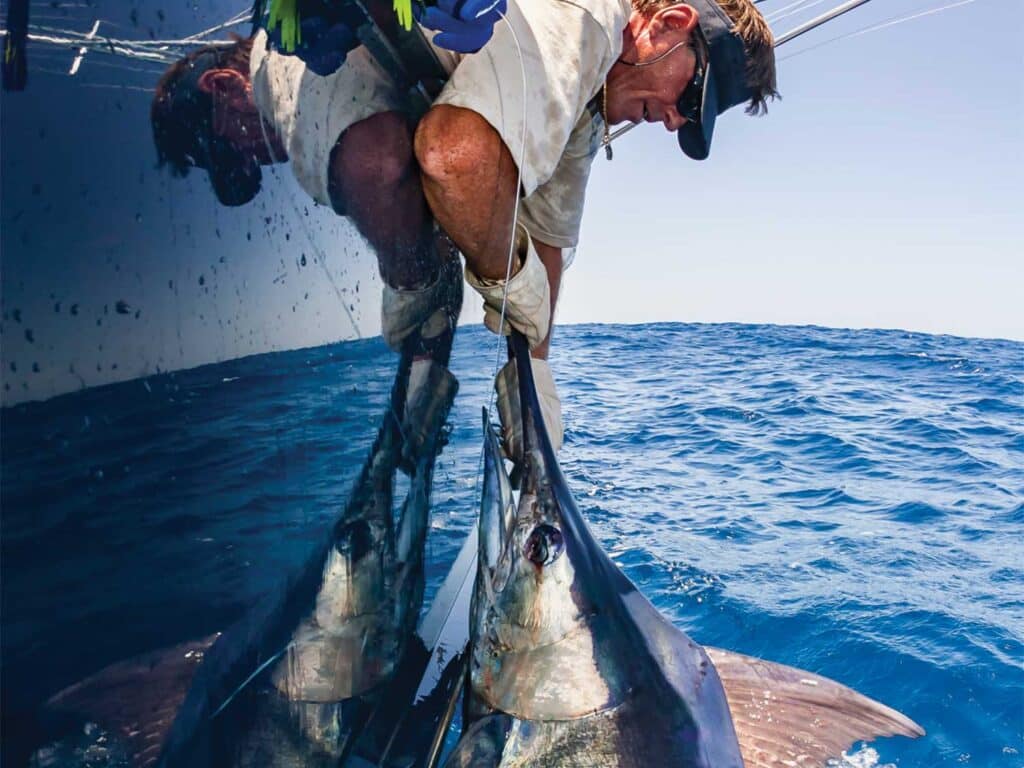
x=848 y=502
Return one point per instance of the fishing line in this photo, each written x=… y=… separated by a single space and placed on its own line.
x=256 y=672
x=320 y=253
x=890 y=22
x=322 y=261
x=477 y=489
x=249 y=679
x=511 y=252
x=515 y=207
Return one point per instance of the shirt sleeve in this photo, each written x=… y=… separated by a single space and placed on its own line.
x=533 y=80
x=554 y=212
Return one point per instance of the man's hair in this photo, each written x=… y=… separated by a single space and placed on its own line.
x=758 y=43
x=178 y=122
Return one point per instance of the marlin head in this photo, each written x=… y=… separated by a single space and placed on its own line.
x=558 y=633
x=534 y=623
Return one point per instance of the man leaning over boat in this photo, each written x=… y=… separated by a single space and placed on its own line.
x=523 y=116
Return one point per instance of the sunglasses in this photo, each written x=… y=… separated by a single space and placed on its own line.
x=690 y=100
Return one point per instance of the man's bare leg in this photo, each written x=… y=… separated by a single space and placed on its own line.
x=374 y=180
x=469 y=180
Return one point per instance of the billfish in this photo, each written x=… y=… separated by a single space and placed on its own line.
x=572 y=667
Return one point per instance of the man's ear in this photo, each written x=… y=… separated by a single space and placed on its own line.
x=674 y=19
x=224 y=84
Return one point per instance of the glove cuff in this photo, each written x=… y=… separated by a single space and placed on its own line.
x=403 y=311
x=431 y=310
x=506 y=385
x=528 y=304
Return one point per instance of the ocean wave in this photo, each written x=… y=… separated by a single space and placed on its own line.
x=849 y=502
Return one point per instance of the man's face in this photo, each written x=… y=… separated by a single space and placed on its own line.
x=235 y=116
x=649 y=93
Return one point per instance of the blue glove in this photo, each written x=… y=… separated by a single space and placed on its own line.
x=324 y=45
x=464 y=26
x=325 y=38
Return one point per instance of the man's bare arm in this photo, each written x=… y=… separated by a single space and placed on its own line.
x=469 y=180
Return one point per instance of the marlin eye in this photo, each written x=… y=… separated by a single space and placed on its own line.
x=544 y=545
x=353 y=540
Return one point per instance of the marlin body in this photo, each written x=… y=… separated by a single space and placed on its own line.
x=571 y=666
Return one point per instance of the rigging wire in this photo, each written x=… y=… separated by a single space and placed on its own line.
x=817 y=21
x=807 y=26
x=142 y=67
x=157 y=51
x=794 y=4
x=778 y=16
x=106 y=45
x=788 y=10
x=239 y=18
x=890 y=22
x=112 y=86
x=73 y=38
x=53 y=16
x=320 y=255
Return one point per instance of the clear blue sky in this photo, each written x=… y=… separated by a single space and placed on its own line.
x=884 y=190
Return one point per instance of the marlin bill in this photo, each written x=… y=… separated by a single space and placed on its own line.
x=572 y=667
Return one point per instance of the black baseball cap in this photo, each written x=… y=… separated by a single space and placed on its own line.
x=725 y=76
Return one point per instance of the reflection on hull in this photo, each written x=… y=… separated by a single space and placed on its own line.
x=323 y=671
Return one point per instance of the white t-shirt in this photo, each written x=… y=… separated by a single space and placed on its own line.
x=564 y=49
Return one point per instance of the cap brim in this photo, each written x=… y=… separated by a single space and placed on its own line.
x=695 y=137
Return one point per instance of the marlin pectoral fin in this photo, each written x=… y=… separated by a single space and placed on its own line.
x=431 y=392
x=497 y=507
x=135 y=700
x=423 y=430
x=412 y=522
x=482 y=744
x=786 y=716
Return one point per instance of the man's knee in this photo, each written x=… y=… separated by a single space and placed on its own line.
x=453 y=142
x=374 y=153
